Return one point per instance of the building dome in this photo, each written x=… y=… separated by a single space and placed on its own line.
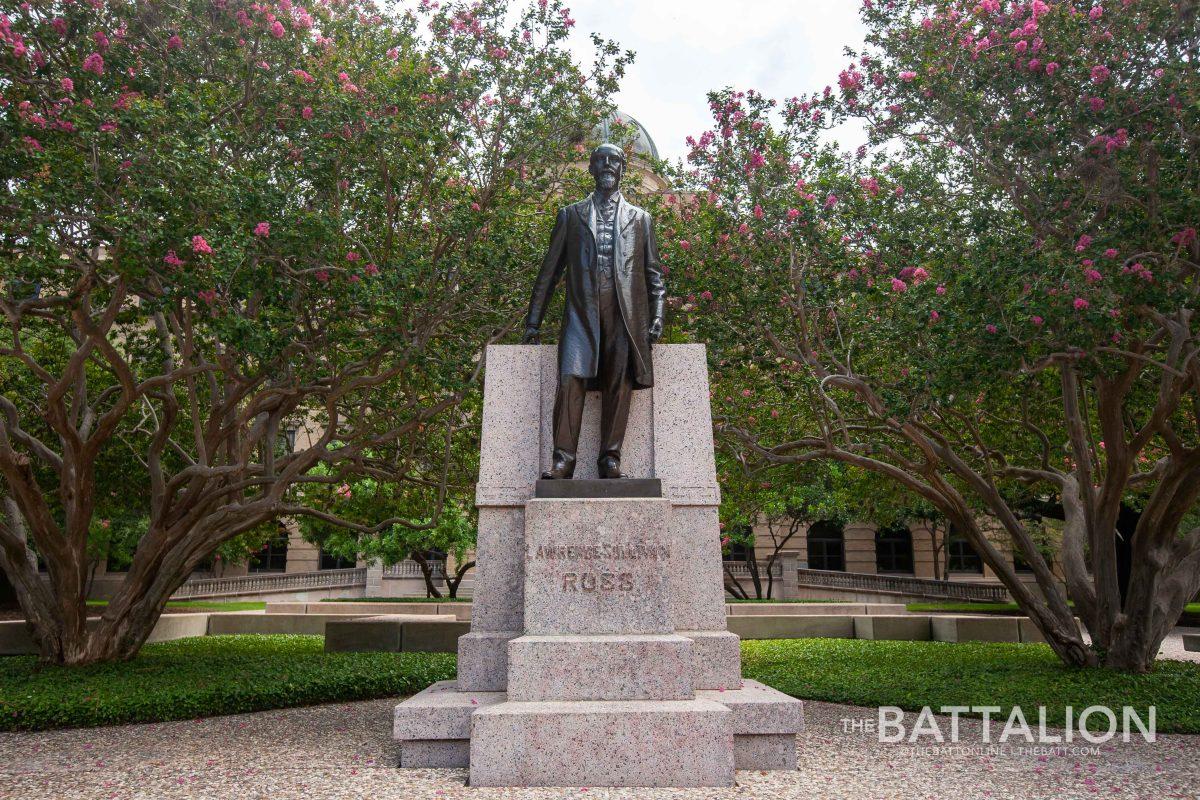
x=618 y=125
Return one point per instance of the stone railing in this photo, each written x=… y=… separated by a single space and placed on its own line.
x=270 y=583
x=901 y=584
x=411 y=569
x=740 y=568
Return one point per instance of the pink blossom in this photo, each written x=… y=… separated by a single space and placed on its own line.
x=94 y=63
x=758 y=212
x=60 y=26
x=1080 y=304
x=684 y=244
x=344 y=491
x=1096 y=104
x=499 y=53
x=908 y=76
x=172 y=259
x=1096 y=13
x=990 y=328
x=1092 y=276
x=277 y=29
x=793 y=213
x=1083 y=243
x=934 y=315
x=199 y=245
x=1100 y=73
x=352 y=256
x=371 y=270
x=831 y=201
x=306 y=112
x=899 y=285
x=1185 y=237
x=1036 y=320
x=174 y=43
x=476 y=207
x=941 y=290
x=262 y=229
x=1052 y=68
x=1111 y=253
x=919 y=276
x=706 y=295
x=322 y=275
x=67 y=85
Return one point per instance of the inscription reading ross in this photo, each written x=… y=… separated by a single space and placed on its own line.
x=587 y=582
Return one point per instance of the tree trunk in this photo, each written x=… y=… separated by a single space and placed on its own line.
x=453 y=584
x=431 y=589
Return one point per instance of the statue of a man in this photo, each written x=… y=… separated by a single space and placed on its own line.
x=613 y=313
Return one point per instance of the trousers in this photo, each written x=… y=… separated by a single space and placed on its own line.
x=615 y=378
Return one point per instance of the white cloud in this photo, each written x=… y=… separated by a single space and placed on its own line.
x=781 y=48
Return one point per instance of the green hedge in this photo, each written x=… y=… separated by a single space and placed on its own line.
x=215 y=675
x=206 y=676
x=911 y=675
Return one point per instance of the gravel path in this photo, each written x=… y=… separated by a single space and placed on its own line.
x=345 y=751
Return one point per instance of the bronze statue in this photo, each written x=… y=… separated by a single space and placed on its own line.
x=613 y=313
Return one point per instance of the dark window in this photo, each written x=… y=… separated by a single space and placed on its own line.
x=273 y=557
x=826 y=547
x=1021 y=565
x=330 y=561
x=961 y=556
x=738 y=551
x=894 y=550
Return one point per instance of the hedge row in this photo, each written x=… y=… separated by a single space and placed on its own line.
x=206 y=676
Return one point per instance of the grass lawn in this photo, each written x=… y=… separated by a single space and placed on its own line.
x=397 y=600
x=206 y=676
x=915 y=674
x=997 y=608
x=205 y=605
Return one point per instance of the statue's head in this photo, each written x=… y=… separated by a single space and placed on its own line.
x=607 y=165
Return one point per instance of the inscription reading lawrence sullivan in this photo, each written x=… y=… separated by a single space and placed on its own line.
x=589 y=582
x=589 y=552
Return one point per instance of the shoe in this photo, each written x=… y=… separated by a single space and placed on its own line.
x=563 y=467
x=609 y=466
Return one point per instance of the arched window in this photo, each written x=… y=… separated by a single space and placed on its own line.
x=961 y=555
x=894 y=550
x=826 y=547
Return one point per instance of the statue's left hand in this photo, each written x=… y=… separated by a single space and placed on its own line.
x=656 y=331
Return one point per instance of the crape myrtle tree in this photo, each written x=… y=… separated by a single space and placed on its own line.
x=223 y=223
x=436 y=489
x=993 y=301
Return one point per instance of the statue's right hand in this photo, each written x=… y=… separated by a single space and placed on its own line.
x=532 y=336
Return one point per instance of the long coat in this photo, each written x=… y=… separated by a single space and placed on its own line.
x=638 y=279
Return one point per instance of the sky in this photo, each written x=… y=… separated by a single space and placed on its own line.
x=685 y=48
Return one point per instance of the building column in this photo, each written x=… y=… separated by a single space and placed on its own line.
x=789 y=584
x=374 y=580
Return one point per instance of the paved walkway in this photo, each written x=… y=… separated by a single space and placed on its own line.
x=345 y=751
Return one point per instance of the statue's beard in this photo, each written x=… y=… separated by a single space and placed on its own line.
x=606 y=181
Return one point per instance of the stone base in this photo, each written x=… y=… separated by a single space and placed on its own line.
x=681 y=743
x=483 y=660
x=435 y=754
x=718 y=662
x=759 y=710
x=774 y=751
x=440 y=712
x=600 y=667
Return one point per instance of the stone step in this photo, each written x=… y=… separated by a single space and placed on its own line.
x=765 y=724
x=600 y=667
x=636 y=743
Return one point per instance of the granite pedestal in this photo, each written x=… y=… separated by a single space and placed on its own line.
x=598 y=653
